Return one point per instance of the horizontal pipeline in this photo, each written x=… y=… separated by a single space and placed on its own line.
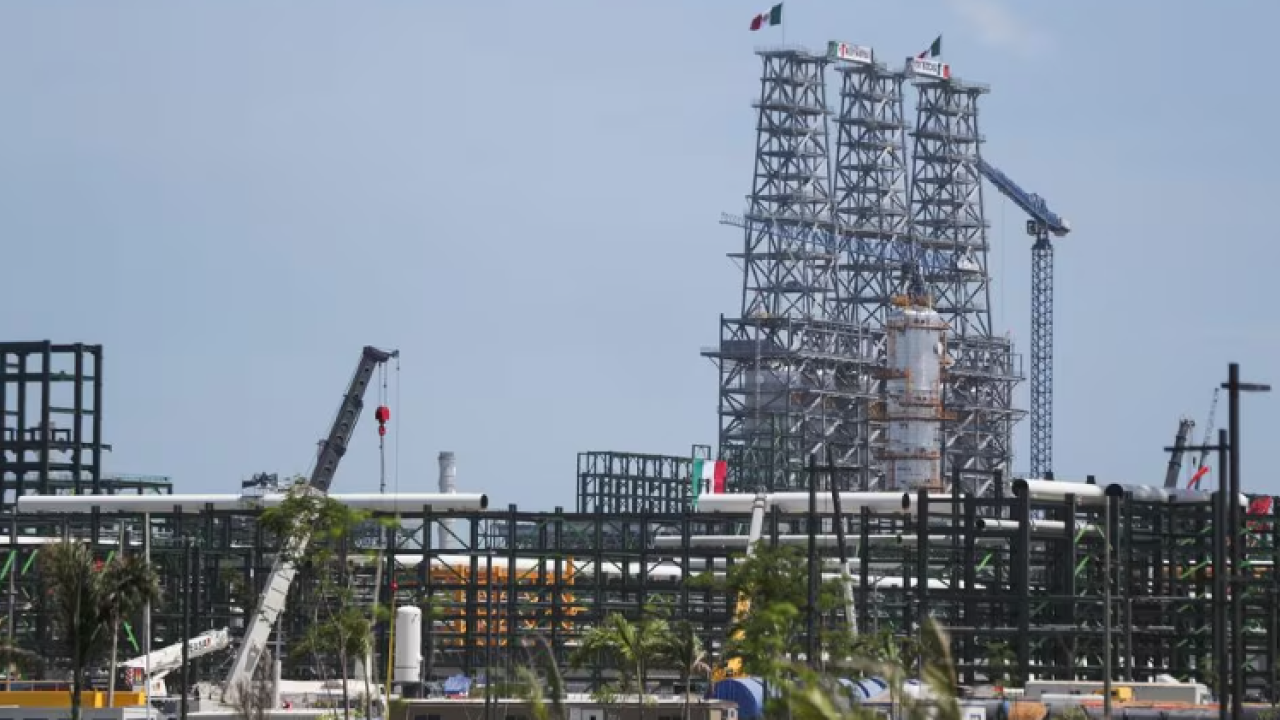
x=197 y=503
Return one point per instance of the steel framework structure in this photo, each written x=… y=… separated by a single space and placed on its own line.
x=1014 y=568
x=619 y=483
x=791 y=377
x=51 y=424
x=948 y=214
x=872 y=206
x=1041 y=354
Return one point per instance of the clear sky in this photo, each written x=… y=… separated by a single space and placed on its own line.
x=523 y=197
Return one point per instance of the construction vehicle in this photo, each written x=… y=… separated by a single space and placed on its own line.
x=276 y=590
x=147 y=672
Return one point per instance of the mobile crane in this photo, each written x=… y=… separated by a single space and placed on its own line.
x=147 y=672
x=276 y=589
x=1042 y=224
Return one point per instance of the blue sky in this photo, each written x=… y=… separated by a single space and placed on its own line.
x=523 y=197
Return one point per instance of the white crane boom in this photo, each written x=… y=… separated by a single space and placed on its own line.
x=276 y=590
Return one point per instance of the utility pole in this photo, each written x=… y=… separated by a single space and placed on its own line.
x=1234 y=387
x=1106 y=615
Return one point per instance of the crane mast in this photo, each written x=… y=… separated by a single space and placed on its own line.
x=1042 y=224
x=276 y=589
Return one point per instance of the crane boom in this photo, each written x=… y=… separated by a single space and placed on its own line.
x=1042 y=223
x=276 y=589
x=1185 y=426
x=1030 y=203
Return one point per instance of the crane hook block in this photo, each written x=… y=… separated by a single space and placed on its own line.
x=382 y=415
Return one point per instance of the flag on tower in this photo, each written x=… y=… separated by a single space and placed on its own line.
x=707 y=476
x=768 y=19
x=935 y=49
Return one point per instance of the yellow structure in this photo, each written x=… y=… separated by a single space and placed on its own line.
x=53 y=698
x=536 y=592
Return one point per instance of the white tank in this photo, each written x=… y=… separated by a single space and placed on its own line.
x=408 y=660
x=916 y=339
x=448 y=485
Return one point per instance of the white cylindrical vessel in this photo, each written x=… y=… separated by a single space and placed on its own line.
x=916 y=349
x=408 y=657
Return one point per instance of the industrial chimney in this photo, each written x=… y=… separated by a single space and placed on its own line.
x=448 y=486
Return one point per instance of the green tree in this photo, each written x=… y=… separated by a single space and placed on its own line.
x=630 y=647
x=775 y=581
x=530 y=687
x=315 y=533
x=812 y=695
x=88 y=603
x=681 y=649
x=1002 y=663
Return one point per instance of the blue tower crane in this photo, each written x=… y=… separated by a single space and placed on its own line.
x=1041 y=225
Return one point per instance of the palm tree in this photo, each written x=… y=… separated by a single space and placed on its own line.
x=937 y=672
x=682 y=649
x=632 y=646
x=129 y=583
x=88 y=604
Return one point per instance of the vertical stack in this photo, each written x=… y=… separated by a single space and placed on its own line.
x=948 y=216
x=789 y=376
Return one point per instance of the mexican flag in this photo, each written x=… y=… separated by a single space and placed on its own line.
x=768 y=19
x=707 y=476
x=935 y=49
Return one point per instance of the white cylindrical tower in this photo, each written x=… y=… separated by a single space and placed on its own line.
x=408 y=659
x=916 y=339
x=448 y=485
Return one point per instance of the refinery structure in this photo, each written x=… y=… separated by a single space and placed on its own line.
x=866 y=411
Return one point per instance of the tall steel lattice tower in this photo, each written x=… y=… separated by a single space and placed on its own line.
x=948 y=214
x=1041 y=354
x=790 y=380
x=872 y=207
x=871 y=185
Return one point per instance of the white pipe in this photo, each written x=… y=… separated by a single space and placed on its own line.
x=1040 y=527
x=197 y=503
x=1179 y=496
x=140 y=504
x=797 y=503
x=1056 y=489
x=409 y=503
x=673 y=542
x=1093 y=494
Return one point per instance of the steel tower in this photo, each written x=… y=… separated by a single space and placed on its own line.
x=948 y=213
x=1041 y=355
x=871 y=204
x=790 y=381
